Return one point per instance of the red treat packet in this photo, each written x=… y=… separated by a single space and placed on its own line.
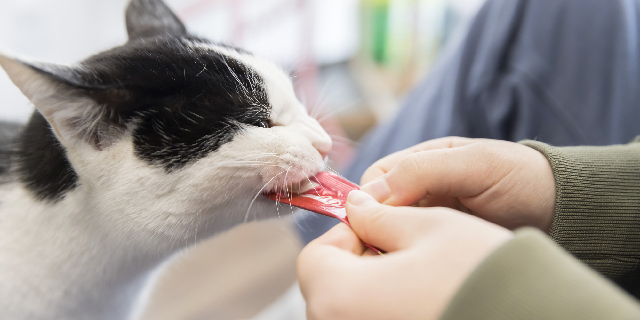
x=327 y=195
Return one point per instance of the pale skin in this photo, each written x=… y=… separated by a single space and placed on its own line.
x=438 y=209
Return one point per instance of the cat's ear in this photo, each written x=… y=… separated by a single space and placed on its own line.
x=148 y=18
x=59 y=95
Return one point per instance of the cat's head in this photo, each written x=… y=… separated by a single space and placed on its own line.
x=166 y=130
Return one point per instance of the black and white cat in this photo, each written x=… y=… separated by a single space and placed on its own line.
x=133 y=154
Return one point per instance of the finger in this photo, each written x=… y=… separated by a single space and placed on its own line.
x=387 y=163
x=385 y=227
x=328 y=251
x=464 y=171
x=341 y=237
x=327 y=259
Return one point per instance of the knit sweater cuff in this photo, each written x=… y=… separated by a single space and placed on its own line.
x=597 y=211
x=530 y=277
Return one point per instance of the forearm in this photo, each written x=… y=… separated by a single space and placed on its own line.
x=530 y=277
x=597 y=211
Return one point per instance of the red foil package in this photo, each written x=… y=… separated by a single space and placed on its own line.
x=327 y=195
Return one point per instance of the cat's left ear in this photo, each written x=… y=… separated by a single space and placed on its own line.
x=149 y=18
x=62 y=95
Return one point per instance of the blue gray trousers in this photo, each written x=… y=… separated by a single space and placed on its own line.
x=565 y=72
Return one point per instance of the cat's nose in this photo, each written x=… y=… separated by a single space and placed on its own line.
x=323 y=146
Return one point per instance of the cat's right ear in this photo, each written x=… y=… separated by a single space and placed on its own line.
x=59 y=94
x=149 y=18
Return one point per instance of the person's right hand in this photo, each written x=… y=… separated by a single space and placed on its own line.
x=430 y=254
x=502 y=182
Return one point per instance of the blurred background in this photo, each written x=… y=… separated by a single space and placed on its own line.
x=351 y=62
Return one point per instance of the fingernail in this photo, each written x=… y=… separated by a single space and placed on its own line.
x=378 y=189
x=359 y=198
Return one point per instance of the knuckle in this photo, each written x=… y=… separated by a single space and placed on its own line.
x=451 y=141
x=485 y=152
x=412 y=164
x=483 y=146
x=377 y=215
x=369 y=174
x=364 y=227
x=377 y=219
x=416 y=165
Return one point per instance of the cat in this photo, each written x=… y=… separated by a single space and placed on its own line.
x=134 y=154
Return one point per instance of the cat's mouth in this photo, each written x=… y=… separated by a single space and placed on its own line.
x=302 y=187
x=294 y=188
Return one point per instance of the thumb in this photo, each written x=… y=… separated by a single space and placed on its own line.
x=458 y=172
x=385 y=227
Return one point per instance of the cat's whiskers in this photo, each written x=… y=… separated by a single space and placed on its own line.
x=251 y=165
x=325 y=166
x=311 y=183
x=340 y=138
x=289 y=193
x=321 y=98
x=276 y=156
x=336 y=111
x=256 y=155
x=315 y=177
x=284 y=183
x=316 y=109
x=278 y=204
x=248 y=166
x=248 y=160
x=246 y=216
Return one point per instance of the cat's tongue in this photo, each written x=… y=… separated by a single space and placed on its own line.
x=326 y=194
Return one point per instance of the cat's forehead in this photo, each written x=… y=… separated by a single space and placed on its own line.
x=169 y=63
x=275 y=81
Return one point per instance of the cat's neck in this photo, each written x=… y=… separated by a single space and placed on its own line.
x=56 y=262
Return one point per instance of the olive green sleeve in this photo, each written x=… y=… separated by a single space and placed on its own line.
x=531 y=277
x=597 y=211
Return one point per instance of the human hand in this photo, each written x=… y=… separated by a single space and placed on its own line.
x=502 y=182
x=430 y=253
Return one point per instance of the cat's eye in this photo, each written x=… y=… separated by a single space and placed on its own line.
x=263 y=124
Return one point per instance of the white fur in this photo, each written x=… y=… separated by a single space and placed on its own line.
x=89 y=256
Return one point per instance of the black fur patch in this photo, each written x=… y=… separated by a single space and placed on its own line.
x=186 y=101
x=183 y=101
x=42 y=164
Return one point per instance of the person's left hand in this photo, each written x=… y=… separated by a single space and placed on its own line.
x=430 y=252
